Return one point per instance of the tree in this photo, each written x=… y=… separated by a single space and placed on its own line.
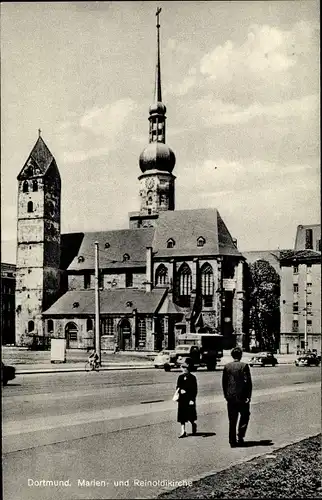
x=263 y=293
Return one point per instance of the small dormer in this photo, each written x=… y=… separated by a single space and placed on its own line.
x=201 y=241
x=170 y=243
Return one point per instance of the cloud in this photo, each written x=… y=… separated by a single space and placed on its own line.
x=222 y=177
x=109 y=120
x=217 y=112
x=98 y=127
x=267 y=64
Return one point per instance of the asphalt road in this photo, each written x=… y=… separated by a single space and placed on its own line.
x=121 y=426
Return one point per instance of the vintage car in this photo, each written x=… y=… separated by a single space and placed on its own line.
x=7 y=373
x=308 y=360
x=165 y=357
x=263 y=359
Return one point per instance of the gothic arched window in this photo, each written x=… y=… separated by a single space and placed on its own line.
x=31 y=326
x=25 y=187
x=30 y=207
x=35 y=185
x=50 y=326
x=185 y=283
x=207 y=285
x=161 y=275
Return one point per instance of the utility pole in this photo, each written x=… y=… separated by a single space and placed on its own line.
x=305 y=318
x=97 y=307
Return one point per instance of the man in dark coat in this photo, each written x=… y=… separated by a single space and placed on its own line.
x=237 y=387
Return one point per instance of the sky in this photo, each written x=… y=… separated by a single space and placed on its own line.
x=240 y=81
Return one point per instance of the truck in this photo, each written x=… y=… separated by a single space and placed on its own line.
x=204 y=350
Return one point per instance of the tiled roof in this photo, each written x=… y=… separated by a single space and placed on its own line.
x=113 y=245
x=185 y=227
x=111 y=302
x=39 y=159
x=300 y=256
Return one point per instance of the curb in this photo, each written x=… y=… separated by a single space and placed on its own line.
x=103 y=368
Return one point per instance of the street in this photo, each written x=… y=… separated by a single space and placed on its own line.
x=103 y=434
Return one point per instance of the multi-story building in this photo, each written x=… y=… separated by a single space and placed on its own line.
x=173 y=271
x=300 y=300
x=8 y=286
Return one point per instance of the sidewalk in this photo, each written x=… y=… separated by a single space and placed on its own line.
x=144 y=361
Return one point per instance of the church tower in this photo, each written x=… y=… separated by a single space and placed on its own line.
x=38 y=242
x=157 y=160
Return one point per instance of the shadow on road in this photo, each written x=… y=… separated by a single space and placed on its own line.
x=261 y=442
x=203 y=434
x=13 y=385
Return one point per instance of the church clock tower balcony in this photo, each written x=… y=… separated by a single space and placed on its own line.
x=157 y=160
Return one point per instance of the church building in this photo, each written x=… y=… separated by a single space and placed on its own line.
x=173 y=271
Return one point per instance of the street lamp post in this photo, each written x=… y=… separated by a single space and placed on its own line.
x=97 y=306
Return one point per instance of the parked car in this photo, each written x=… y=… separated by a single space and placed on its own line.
x=165 y=357
x=308 y=360
x=263 y=359
x=7 y=373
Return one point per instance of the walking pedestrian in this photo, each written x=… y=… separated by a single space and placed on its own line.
x=187 y=388
x=237 y=388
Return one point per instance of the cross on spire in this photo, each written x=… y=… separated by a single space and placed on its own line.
x=157 y=14
x=39 y=132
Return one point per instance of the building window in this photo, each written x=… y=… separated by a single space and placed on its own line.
x=30 y=207
x=295 y=288
x=295 y=326
x=126 y=257
x=161 y=275
x=35 y=185
x=185 y=282
x=170 y=243
x=80 y=259
x=87 y=280
x=141 y=331
x=201 y=241
x=50 y=326
x=318 y=245
x=207 y=285
x=309 y=239
x=295 y=307
x=309 y=307
x=107 y=325
x=89 y=324
x=295 y=269
x=308 y=287
x=25 y=187
x=128 y=280
x=309 y=325
x=31 y=326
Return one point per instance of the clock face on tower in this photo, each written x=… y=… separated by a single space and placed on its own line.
x=149 y=182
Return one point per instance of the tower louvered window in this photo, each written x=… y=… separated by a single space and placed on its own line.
x=207 y=285
x=35 y=185
x=25 y=187
x=30 y=207
x=161 y=275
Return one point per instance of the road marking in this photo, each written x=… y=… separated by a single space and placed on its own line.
x=45 y=423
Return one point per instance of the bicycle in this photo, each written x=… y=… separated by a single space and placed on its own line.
x=91 y=366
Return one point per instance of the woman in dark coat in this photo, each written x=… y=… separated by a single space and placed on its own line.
x=188 y=388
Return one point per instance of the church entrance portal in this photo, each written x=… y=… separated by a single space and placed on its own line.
x=71 y=335
x=124 y=333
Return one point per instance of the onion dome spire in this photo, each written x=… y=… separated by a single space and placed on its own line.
x=157 y=155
